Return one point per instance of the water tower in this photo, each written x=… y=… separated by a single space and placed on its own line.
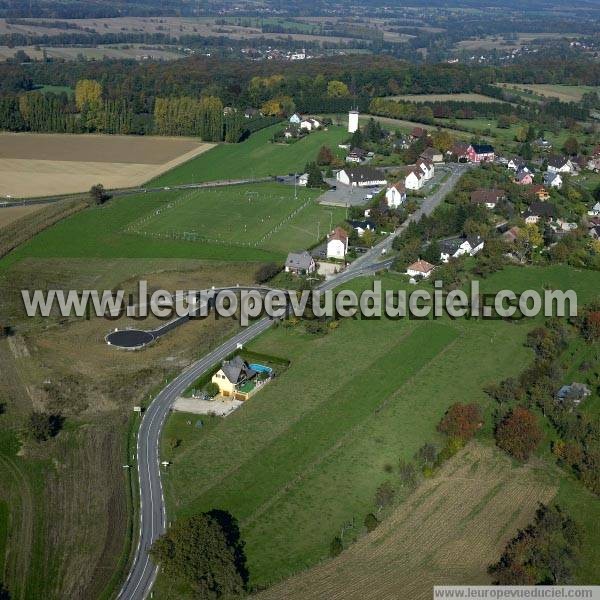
x=353 y=121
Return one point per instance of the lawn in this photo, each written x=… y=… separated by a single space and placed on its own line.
x=305 y=455
x=565 y=93
x=255 y=157
x=248 y=223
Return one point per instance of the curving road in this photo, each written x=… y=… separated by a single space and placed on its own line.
x=143 y=572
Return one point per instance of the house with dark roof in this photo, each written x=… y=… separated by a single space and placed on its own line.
x=481 y=153
x=573 y=394
x=539 y=211
x=552 y=179
x=560 y=164
x=418 y=133
x=361 y=227
x=487 y=197
x=432 y=155
x=300 y=263
x=234 y=376
x=523 y=177
x=363 y=176
x=357 y=155
x=459 y=246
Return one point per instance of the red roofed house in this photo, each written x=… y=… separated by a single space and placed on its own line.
x=337 y=243
x=421 y=268
x=418 y=133
x=540 y=192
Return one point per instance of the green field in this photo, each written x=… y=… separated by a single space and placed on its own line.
x=306 y=454
x=264 y=215
x=256 y=222
x=255 y=157
x=565 y=93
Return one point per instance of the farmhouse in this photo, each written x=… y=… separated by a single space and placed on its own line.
x=488 y=197
x=361 y=177
x=553 y=180
x=560 y=164
x=337 y=243
x=481 y=153
x=421 y=268
x=539 y=211
x=300 y=263
x=395 y=194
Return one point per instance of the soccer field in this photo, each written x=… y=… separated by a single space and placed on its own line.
x=268 y=216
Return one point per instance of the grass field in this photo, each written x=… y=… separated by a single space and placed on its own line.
x=33 y=164
x=444 y=98
x=255 y=157
x=305 y=456
x=447 y=532
x=118 y=229
x=565 y=93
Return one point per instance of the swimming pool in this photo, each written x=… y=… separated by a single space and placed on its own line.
x=261 y=368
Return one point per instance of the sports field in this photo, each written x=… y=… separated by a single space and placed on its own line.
x=36 y=164
x=256 y=222
x=255 y=157
x=240 y=216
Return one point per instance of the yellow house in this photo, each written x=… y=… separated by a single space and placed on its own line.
x=234 y=378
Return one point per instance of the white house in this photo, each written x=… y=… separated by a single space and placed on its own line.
x=421 y=268
x=455 y=247
x=553 y=180
x=516 y=164
x=361 y=227
x=295 y=119
x=309 y=124
x=337 y=243
x=303 y=180
x=595 y=210
x=414 y=180
x=560 y=164
x=427 y=168
x=361 y=177
x=395 y=194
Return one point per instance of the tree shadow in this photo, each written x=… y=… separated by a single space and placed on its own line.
x=231 y=529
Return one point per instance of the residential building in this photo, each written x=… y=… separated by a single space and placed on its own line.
x=552 y=179
x=295 y=119
x=432 y=155
x=573 y=394
x=361 y=177
x=488 y=197
x=511 y=235
x=362 y=226
x=461 y=151
x=426 y=167
x=300 y=263
x=560 y=164
x=232 y=376
x=356 y=155
x=481 y=153
x=539 y=211
x=414 y=179
x=455 y=247
x=418 y=132
x=523 y=177
x=421 y=268
x=595 y=210
x=395 y=194
x=540 y=192
x=337 y=244
x=303 y=180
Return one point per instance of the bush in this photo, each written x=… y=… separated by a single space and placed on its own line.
x=212 y=389
x=336 y=547
x=461 y=421
x=266 y=272
x=42 y=426
x=518 y=433
x=371 y=522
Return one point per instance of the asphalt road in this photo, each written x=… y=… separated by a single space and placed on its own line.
x=152 y=505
